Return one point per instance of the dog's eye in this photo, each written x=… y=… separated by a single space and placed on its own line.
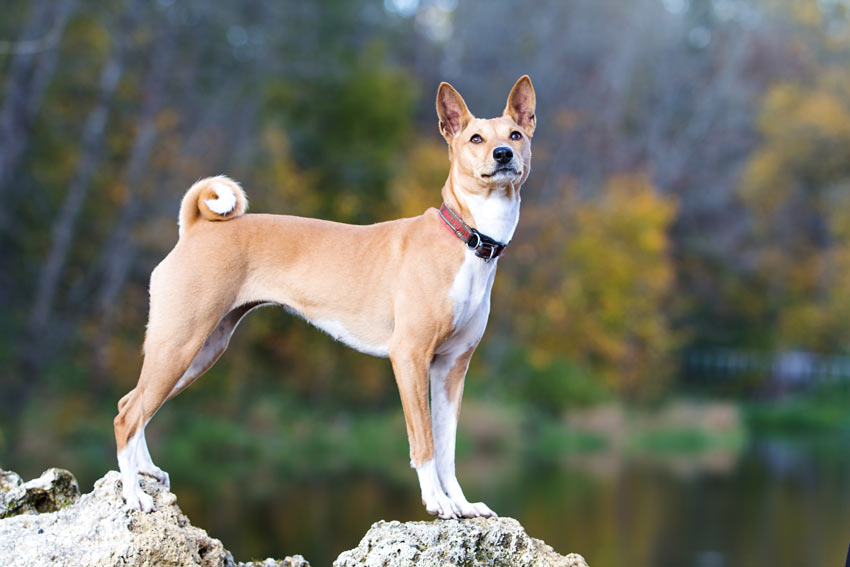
x=476 y=139
x=516 y=135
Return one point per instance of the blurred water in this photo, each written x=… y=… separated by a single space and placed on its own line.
x=780 y=502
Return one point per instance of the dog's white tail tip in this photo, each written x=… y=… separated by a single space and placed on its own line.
x=214 y=199
x=225 y=200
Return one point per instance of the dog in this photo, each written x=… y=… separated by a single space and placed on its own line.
x=415 y=290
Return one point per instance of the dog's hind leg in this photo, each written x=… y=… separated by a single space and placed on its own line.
x=171 y=344
x=126 y=398
x=214 y=346
x=161 y=370
x=143 y=456
x=133 y=457
x=145 y=463
x=167 y=376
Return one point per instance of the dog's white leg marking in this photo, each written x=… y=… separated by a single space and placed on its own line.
x=128 y=463
x=145 y=463
x=225 y=199
x=433 y=497
x=444 y=414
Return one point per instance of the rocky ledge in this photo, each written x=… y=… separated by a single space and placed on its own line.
x=46 y=523
x=476 y=542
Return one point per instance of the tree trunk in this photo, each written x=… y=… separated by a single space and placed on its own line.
x=64 y=226
x=120 y=251
x=29 y=75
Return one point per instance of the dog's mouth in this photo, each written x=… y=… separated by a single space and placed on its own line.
x=502 y=170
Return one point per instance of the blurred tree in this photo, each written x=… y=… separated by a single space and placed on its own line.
x=420 y=180
x=600 y=276
x=33 y=61
x=119 y=250
x=797 y=186
x=63 y=226
x=666 y=88
x=349 y=130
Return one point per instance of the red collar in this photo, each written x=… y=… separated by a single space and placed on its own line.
x=483 y=246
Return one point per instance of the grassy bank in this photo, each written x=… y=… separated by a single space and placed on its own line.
x=292 y=440
x=798 y=416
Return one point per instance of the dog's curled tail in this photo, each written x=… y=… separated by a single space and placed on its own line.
x=214 y=199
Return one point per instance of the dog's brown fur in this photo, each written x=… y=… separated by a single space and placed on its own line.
x=386 y=284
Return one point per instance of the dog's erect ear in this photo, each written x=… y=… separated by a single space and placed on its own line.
x=521 y=104
x=454 y=116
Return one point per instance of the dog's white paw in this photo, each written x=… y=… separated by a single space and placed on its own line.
x=440 y=505
x=470 y=510
x=482 y=510
x=139 y=500
x=146 y=502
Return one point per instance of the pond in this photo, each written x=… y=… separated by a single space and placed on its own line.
x=776 y=502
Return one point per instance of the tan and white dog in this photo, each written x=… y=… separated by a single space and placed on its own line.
x=416 y=290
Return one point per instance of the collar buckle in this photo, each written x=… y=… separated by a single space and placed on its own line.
x=484 y=247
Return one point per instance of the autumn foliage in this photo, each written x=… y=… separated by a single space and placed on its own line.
x=690 y=181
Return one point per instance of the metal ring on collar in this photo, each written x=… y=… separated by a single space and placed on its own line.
x=477 y=243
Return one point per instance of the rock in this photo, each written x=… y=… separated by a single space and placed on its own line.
x=477 y=542
x=53 y=490
x=294 y=561
x=97 y=531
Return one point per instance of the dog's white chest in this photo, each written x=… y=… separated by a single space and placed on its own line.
x=470 y=293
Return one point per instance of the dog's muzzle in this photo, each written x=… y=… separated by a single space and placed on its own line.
x=507 y=170
x=504 y=158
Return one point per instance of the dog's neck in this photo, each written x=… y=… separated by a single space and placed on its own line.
x=494 y=212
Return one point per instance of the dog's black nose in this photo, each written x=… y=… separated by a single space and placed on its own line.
x=503 y=155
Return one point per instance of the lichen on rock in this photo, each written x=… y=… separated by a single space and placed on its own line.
x=294 y=561
x=53 y=490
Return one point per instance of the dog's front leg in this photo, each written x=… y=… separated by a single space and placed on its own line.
x=411 y=373
x=447 y=376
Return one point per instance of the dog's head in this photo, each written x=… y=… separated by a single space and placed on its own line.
x=493 y=153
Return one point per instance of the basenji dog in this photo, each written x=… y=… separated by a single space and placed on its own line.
x=416 y=290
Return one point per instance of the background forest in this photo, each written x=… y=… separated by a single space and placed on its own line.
x=668 y=353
